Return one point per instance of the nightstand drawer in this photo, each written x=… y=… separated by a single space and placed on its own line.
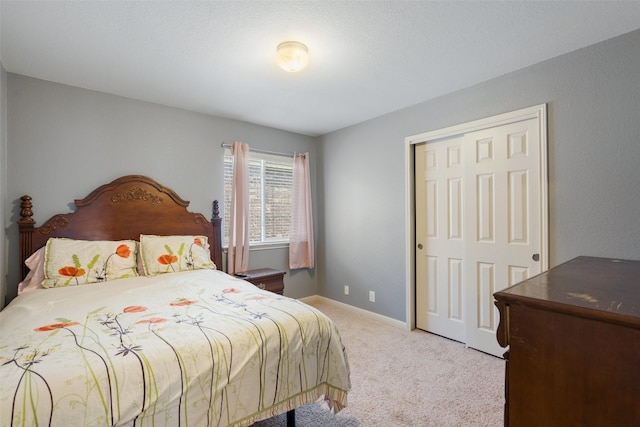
x=266 y=278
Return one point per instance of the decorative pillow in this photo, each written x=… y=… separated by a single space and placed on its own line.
x=70 y=262
x=168 y=254
x=35 y=277
x=140 y=266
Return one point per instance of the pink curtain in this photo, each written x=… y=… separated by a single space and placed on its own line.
x=238 y=255
x=301 y=230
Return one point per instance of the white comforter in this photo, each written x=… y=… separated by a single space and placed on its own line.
x=197 y=348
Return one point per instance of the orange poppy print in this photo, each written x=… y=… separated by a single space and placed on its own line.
x=55 y=326
x=197 y=241
x=167 y=259
x=230 y=291
x=123 y=251
x=134 y=309
x=182 y=302
x=71 y=271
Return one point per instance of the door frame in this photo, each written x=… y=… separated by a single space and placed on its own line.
x=538 y=112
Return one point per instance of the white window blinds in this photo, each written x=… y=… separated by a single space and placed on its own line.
x=270 y=189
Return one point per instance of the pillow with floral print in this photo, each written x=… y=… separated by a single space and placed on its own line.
x=168 y=254
x=70 y=262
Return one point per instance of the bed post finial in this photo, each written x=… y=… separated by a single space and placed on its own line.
x=26 y=213
x=216 y=209
x=25 y=227
x=216 y=221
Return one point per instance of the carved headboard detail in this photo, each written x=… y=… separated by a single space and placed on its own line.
x=122 y=209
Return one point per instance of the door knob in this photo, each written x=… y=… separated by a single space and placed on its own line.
x=420 y=246
x=536 y=257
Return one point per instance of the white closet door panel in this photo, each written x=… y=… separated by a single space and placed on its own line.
x=502 y=216
x=440 y=238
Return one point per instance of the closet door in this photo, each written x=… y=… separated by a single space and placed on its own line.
x=479 y=216
x=502 y=219
x=439 y=225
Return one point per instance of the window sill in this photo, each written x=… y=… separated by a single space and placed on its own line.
x=264 y=246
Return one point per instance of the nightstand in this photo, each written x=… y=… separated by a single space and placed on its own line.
x=265 y=278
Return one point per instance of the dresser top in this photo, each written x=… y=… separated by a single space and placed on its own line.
x=588 y=286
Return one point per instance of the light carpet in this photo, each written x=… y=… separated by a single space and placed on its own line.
x=407 y=378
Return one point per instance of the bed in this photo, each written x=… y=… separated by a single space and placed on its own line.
x=136 y=324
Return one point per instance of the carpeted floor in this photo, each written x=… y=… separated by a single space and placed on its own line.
x=407 y=378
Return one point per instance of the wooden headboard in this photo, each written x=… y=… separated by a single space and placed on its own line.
x=123 y=209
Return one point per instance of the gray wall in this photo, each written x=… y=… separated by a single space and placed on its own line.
x=3 y=182
x=63 y=142
x=593 y=97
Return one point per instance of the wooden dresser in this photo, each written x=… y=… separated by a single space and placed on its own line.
x=574 y=345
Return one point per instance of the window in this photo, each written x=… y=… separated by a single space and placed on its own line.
x=270 y=186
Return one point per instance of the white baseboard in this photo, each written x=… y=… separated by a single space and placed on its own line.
x=379 y=317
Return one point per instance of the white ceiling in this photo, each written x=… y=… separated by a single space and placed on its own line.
x=368 y=58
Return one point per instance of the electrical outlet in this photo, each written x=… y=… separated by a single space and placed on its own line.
x=346 y=289
x=372 y=296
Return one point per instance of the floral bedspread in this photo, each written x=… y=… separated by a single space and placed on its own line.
x=197 y=348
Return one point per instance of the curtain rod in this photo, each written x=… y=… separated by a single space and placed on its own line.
x=223 y=145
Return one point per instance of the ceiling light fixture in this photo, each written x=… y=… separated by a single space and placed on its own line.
x=292 y=56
